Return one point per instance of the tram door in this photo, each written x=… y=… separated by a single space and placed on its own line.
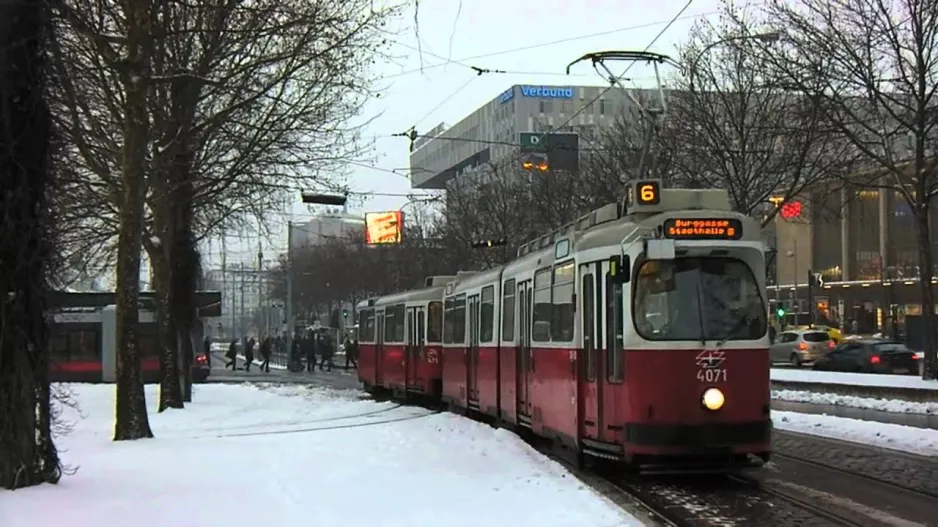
x=379 y=348
x=414 y=344
x=590 y=376
x=472 y=347
x=525 y=359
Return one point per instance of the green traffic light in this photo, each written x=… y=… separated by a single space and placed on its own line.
x=780 y=313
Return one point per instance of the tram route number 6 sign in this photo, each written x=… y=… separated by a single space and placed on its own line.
x=710 y=366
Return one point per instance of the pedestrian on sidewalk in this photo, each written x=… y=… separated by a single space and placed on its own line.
x=351 y=352
x=207 y=345
x=232 y=355
x=249 y=355
x=309 y=349
x=265 y=354
x=326 y=350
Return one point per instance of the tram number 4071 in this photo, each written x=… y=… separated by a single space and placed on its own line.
x=711 y=375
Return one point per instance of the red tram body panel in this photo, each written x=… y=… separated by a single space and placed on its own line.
x=637 y=334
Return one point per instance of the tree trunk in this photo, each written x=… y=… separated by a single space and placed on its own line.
x=27 y=452
x=132 y=420
x=170 y=388
x=928 y=296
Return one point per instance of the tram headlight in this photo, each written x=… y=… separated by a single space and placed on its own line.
x=713 y=399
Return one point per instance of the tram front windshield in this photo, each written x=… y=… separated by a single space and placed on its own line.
x=700 y=299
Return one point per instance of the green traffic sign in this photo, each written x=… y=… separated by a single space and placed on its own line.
x=531 y=142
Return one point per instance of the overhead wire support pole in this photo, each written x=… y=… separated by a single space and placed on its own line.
x=289 y=307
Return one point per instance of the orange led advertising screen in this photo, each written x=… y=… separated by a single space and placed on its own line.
x=384 y=227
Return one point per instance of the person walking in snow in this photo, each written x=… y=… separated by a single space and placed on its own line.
x=326 y=350
x=351 y=352
x=207 y=348
x=309 y=349
x=232 y=355
x=265 y=354
x=249 y=355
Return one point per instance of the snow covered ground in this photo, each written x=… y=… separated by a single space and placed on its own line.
x=861 y=379
x=297 y=456
x=895 y=437
x=883 y=405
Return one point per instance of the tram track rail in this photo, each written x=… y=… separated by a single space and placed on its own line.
x=798 y=501
x=320 y=428
x=300 y=422
x=858 y=475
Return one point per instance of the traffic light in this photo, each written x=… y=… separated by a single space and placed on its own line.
x=780 y=312
x=489 y=243
x=324 y=199
x=345 y=313
x=535 y=161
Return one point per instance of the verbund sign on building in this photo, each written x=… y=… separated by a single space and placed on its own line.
x=543 y=92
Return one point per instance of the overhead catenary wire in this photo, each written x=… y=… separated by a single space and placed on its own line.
x=520 y=49
x=612 y=82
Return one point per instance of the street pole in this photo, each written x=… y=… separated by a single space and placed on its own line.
x=224 y=278
x=289 y=306
x=241 y=321
x=260 y=290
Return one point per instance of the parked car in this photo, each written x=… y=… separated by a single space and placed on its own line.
x=800 y=346
x=871 y=356
x=201 y=368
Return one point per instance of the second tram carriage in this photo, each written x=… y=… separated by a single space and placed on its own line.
x=637 y=333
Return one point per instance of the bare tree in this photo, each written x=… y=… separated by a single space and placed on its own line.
x=27 y=452
x=121 y=44
x=876 y=80
x=729 y=127
x=248 y=101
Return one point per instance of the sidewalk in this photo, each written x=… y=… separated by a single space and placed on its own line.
x=338 y=378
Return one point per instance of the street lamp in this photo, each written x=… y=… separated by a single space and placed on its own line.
x=767 y=37
x=314 y=199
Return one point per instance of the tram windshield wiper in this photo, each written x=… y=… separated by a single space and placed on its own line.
x=734 y=331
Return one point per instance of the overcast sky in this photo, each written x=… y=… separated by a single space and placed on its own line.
x=429 y=81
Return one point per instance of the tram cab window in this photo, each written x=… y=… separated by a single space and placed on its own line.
x=487 y=315
x=435 y=322
x=540 y=331
x=698 y=299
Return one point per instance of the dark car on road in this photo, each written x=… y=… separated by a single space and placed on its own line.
x=870 y=356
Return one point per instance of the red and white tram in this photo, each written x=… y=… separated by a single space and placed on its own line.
x=400 y=339
x=636 y=336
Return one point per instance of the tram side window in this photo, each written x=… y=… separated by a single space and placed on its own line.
x=562 y=310
x=448 y=317
x=366 y=323
x=615 y=328
x=435 y=322
x=58 y=348
x=459 y=320
x=540 y=332
x=487 y=315
x=394 y=324
x=148 y=346
x=82 y=345
x=508 y=310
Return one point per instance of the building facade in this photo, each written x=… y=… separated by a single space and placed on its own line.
x=325 y=227
x=864 y=244
x=492 y=133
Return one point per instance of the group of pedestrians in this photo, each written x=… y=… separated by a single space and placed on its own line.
x=249 y=344
x=311 y=345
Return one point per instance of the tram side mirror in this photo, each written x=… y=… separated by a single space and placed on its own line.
x=659 y=249
x=620 y=269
